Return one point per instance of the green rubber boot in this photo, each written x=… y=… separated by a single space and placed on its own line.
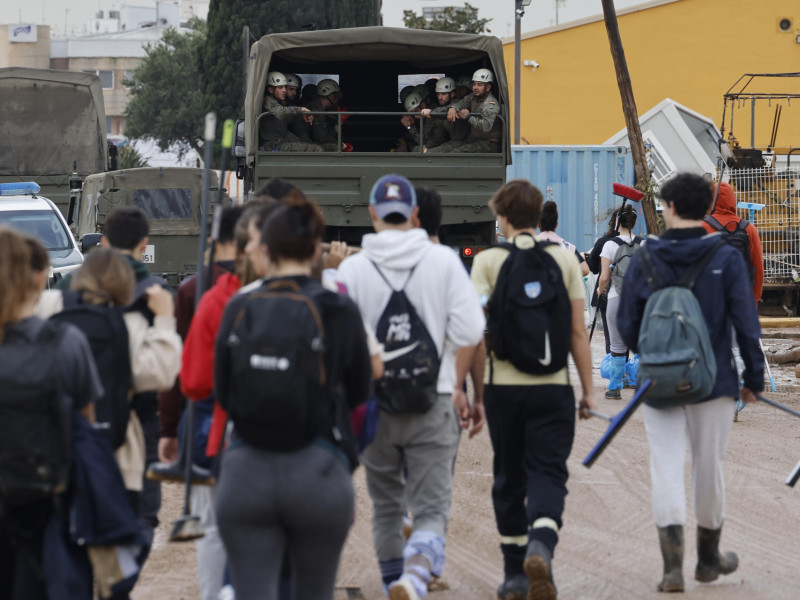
x=671 y=540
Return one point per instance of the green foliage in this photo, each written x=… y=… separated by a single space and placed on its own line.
x=129 y=158
x=221 y=58
x=166 y=103
x=452 y=18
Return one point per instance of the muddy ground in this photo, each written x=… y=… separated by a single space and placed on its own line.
x=608 y=547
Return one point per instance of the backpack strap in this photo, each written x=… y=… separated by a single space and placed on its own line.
x=689 y=277
x=410 y=273
x=713 y=222
x=654 y=280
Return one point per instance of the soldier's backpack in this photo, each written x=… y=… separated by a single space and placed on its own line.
x=35 y=420
x=622 y=258
x=104 y=327
x=529 y=317
x=736 y=237
x=674 y=345
x=411 y=360
x=277 y=354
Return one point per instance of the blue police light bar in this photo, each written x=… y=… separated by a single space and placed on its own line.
x=21 y=188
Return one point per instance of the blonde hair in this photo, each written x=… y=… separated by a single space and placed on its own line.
x=106 y=277
x=20 y=255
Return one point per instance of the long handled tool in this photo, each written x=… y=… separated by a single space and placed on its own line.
x=615 y=423
x=188 y=526
x=795 y=475
x=766 y=364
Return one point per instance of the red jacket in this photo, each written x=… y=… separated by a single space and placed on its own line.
x=725 y=212
x=197 y=371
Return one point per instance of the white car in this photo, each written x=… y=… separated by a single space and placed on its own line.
x=22 y=209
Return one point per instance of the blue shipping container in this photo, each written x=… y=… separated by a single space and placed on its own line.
x=579 y=179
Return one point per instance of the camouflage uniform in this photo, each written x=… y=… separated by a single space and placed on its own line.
x=485 y=132
x=274 y=131
x=323 y=130
x=435 y=133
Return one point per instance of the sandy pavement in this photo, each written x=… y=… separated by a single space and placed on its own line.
x=608 y=547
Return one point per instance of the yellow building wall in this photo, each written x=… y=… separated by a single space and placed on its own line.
x=692 y=51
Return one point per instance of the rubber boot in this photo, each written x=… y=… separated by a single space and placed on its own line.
x=616 y=370
x=671 y=540
x=710 y=563
x=539 y=570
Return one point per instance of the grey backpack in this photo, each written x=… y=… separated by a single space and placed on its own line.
x=674 y=346
x=622 y=259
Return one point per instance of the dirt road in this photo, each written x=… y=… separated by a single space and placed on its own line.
x=608 y=547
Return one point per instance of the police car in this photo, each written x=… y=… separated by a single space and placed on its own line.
x=22 y=209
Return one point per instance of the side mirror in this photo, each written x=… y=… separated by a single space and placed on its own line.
x=239 y=150
x=89 y=241
x=71 y=209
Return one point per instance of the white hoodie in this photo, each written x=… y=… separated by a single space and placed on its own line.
x=439 y=289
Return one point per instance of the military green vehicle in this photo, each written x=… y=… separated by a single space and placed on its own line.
x=171 y=199
x=52 y=129
x=371 y=64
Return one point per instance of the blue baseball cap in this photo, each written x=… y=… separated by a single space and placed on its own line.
x=393 y=194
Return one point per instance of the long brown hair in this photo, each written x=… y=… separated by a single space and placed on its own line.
x=16 y=274
x=106 y=277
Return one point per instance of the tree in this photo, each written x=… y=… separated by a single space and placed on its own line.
x=221 y=58
x=166 y=103
x=130 y=158
x=452 y=18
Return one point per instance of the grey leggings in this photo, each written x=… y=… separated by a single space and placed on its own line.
x=615 y=339
x=271 y=502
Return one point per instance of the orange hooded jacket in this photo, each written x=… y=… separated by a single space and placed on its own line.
x=725 y=213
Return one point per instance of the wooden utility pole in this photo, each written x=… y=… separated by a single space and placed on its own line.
x=640 y=169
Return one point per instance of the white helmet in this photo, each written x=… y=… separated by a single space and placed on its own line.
x=445 y=85
x=412 y=101
x=293 y=80
x=405 y=92
x=326 y=87
x=276 y=78
x=484 y=75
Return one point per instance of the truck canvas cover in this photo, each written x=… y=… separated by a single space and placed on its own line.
x=422 y=49
x=48 y=120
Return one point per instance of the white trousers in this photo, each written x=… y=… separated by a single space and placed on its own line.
x=705 y=427
x=211 y=556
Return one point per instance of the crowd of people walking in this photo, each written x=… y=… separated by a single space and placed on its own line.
x=300 y=370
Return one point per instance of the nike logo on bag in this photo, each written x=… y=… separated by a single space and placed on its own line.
x=393 y=354
x=545 y=362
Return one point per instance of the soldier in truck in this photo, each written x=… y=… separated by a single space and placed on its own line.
x=486 y=131
x=274 y=131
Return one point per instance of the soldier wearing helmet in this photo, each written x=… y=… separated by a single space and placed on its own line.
x=463 y=86
x=485 y=130
x=437 y=130
x=293 y=86
x=273 y=128
x=324 y=129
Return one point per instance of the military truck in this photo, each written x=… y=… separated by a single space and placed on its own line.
x=171 y=199
x=52 y=129
x=371 y=64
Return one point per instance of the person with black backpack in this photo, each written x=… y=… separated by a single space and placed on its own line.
x=738 y=232
x=132 y=355
x=534 y=296
x=415 y=295
x=290 y=362
x=46 y=373
x=686 y=294
x=615 y=259
x=595 y=266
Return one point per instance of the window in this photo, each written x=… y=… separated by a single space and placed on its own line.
x=164 y=203
x=106 y=78
x=109 y=121
x=44 y=225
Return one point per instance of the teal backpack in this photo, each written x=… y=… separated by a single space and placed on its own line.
x=674 y=346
